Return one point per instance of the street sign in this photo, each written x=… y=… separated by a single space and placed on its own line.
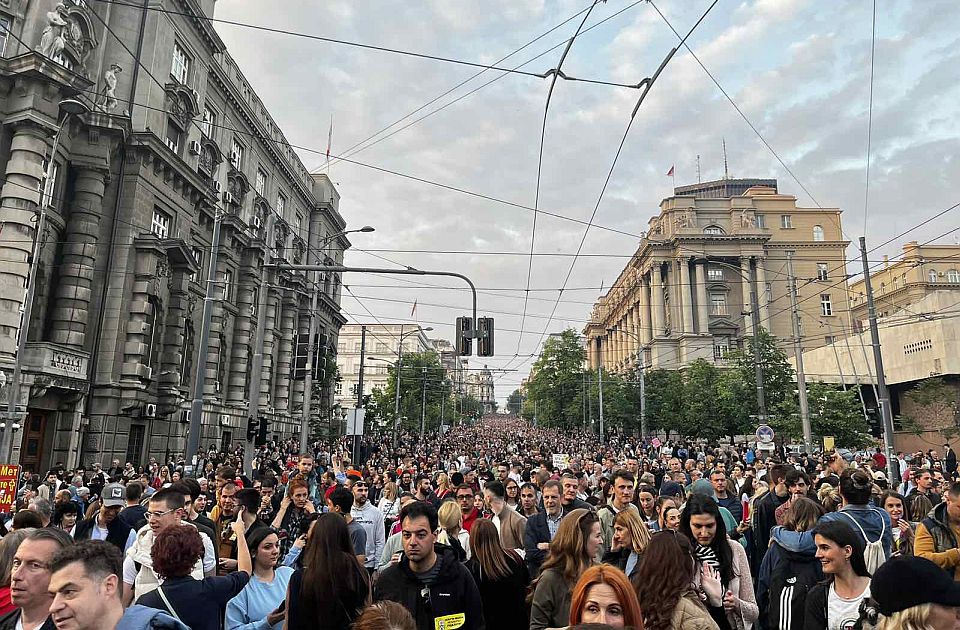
x=9 y=480
x=764 y=434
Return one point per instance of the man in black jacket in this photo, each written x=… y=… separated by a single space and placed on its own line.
x=542 y=528
x=105 y=524
x=429 y=581
x=30 y=579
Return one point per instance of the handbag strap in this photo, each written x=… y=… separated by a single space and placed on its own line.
x=166 y=602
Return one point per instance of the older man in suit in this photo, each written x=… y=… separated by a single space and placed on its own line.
x=543 y=527
x=510 y=524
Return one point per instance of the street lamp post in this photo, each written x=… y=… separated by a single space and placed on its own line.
x=70 y=107
x=641 y=360
x=312 y=332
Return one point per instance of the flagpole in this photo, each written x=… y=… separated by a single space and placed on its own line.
x=329 y=142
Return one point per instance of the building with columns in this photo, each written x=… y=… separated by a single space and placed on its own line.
x=479 y=384
x=686 y=292
x=383 y=343
x=174 y=138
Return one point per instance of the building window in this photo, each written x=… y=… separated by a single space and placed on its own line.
x=721 y=347
x=226 y=279
x=883 y=288
x=197 y=255
x=826 y=306
x=903 y=280
x=135 y=442
x=154 y=323
x=49 y=186
x=174 y=137
x=896 y=283
x=822 y=272
x=714 y=274
x=209 y=122
x=254 y=301
x=160 y=226
x=718 y=304
x=236 y=154
x=281 y=202
x=828 y=339
x=186 y=357
x=180 y=68
x=261 y=182
x=298 y=225
x=713 y=230
x=4 y=28
x=761 y=222
x=64 y=60
x=953 y=275
x=818 y=233
x=932 y=275
x=786 y=221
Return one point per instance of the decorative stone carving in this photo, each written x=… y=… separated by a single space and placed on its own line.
x=299 y=249
x=747 y=219
x=163 y=268
x=183 y=103
x=280 y=235
x=682 y=220
x=107 y=100
x=52 y=40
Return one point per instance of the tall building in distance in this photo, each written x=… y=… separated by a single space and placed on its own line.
x=480 y=386
x=382 y=350
x=686 y=292
x=171 y=139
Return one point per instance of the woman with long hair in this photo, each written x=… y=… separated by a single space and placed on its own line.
x=665 y=588
x=385 y=615
x=513 y=494
x=443 y=486
x=501 y=576
x=331 y=585
x=900 y=525
x=572 y=552
x=451 y=530
x=647 y=504
x=668 y=514
x=835 y=603
x=389 y=504
x=829 y=498
x=724 y=571
x=261 y=600
x=792 y=543
x=604 y=595
x=630 y=538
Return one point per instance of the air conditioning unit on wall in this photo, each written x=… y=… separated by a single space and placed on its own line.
x=194 y=147
x=150 y=410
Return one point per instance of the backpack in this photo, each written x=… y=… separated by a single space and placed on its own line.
x=873 y=554
x=790 y=581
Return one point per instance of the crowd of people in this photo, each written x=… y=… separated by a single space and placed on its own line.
x=493 y=525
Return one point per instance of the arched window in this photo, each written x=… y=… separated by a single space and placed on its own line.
x=883 y=288
x=932 y=275
x=953 y=275
x=818 y=233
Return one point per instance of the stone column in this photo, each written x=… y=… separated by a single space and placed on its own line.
x=288 y=317
x=656 y=301
x=270 y=324
x=19 y=199
x=78 y=255
x=762 y=292
x=703 y=314
x=745 y=288
x=644 y=311
x=243 y=331
x=212 y=387
x=687 y=302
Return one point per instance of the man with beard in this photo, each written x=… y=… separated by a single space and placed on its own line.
x=104 y=524
x=371 y=519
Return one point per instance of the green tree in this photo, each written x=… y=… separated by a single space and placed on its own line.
x=514 y=401
x=555 y=387
x=778 y=385
x=701 y=414
x=935 y=405
x=621 y=400
x=664 y=390
x=838 y=413
x=421 y=374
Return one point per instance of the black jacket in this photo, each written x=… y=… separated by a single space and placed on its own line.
x=9 y=621
x=117 y=531
x=620 y=558
x=454 y=593
x=536 y=532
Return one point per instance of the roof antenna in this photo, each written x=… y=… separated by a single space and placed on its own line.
x=699 y=181
x=726 y=174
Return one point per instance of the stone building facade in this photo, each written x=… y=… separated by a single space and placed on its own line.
x=686 y=292
x=480 y=385
x=174 y=139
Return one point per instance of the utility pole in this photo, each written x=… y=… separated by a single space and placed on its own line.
x=798 y=355
x=643 y=403
x=423 y=402
x=200 y=373
x=396 y=394
x=363 y=357
x=600 y=385
x=256 y=367
x=883 y=393
x=757 y=359
x=308 y=376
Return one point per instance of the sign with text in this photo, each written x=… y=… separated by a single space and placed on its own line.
x=829 y=443
x=561 y=460
x=9 y=480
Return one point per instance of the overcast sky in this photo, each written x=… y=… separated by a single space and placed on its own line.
x=798 y=69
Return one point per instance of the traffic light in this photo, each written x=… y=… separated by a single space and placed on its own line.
x=319 y=357
x=464 y=336
x=298 y=367
x=251 y=429
x=262 y=432
x=484 y=336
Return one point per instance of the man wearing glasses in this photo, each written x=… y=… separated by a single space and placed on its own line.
x=465 y=500
x=166 y=509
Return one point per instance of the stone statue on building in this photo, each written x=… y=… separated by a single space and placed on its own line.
x=107 y=100
x=682 y=220
x=746 y=219
x=52 y=41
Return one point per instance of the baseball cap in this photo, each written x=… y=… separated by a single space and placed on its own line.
x=113 y=495
x=906 y=581
x=671 y=489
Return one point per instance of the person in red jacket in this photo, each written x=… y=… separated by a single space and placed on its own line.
x=465 y=501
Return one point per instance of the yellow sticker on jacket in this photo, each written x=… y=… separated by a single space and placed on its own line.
x=449 y=622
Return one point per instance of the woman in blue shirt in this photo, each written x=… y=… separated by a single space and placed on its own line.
x=259 y=606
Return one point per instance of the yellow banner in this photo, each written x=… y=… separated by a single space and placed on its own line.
x=449 y=622
x=828 y=443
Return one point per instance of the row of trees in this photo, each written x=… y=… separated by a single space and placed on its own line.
x=703 y=399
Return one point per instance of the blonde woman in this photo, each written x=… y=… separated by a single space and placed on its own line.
x=630 y=538
x=911 y=593
x=443 y=486
x=389 y=504
x=451 y=529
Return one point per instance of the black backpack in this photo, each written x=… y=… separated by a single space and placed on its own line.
x=790 y=581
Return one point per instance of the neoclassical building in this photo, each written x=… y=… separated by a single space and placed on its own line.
x=173 y=138
x=686 y=292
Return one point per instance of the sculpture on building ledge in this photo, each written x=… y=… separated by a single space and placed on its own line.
x=747 y=219
x=683 y=220
x=107 y=100
x=52 y=41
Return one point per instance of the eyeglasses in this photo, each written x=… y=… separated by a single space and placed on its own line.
x=149 y=515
